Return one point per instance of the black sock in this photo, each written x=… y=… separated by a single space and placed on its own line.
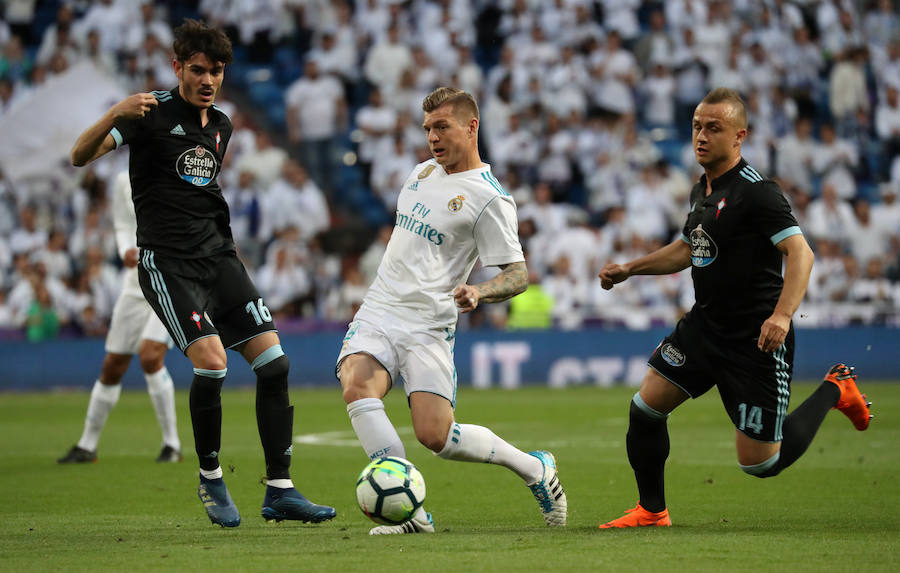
x=647 y=442
x=801 y=425
x=275 y=416
x=206 y=418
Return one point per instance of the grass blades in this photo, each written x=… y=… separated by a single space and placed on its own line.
x=836 y=509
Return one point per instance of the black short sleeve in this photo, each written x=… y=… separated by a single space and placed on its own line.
x=132 y=130
x=771 y=212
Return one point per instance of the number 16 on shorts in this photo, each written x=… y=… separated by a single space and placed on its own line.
x=258 y=311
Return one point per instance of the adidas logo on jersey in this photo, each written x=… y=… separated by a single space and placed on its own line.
x=414 y=186
x=177 y=130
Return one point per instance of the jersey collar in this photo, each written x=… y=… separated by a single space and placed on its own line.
x=484 y=167
x=189 y=109
x=725 y=179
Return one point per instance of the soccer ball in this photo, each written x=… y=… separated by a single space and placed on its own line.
x=390 y=490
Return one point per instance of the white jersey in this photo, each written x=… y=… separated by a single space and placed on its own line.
x=444 y=224
x=125 y=227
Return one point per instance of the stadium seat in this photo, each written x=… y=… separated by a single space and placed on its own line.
x=266 y=93
x=671 y=150
x=288 y=65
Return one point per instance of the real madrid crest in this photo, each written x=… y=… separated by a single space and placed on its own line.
x=425 y=172
x=456 y=203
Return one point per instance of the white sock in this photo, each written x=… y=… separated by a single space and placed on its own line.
x=103 y=398
x=470 y=443
x=212 y=474
x=280 y=483
x=376 y=434
x=162 y=394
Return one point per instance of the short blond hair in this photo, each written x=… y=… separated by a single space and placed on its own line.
x=732 y=98
x=461 y=100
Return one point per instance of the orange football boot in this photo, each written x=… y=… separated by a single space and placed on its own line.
x=640 y=517
x=852 y=403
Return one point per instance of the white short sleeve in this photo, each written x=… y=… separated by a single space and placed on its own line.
x=497 y=233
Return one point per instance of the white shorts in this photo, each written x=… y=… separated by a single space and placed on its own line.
x=423 y=358
x=133 y=320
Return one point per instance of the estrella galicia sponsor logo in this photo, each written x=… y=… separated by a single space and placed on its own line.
x=703 y=249
x=671 y=354
x=198 y=166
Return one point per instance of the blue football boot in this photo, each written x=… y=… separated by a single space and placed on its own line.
x=288 y=503
x=217 y=502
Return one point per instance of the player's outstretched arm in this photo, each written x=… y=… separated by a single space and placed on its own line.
x=95 y=141
x=674 y=257
x=798 y=262
x=510 y=281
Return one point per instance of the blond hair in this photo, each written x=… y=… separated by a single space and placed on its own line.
x=462 y=101
x=732 y=98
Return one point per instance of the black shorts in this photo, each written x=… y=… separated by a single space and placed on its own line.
x=755 y=386
x=197 y=298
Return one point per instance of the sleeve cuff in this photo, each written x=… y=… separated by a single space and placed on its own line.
x=782 y=235
x=117 y=135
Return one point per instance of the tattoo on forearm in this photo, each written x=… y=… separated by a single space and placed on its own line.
x=512 y=280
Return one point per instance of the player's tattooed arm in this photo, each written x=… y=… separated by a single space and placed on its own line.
x=510 y=281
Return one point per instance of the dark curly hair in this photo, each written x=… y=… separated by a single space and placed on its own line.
x=195 y=37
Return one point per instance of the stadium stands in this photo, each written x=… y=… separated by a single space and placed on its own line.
x=586 y=99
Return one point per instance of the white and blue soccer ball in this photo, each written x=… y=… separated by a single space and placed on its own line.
x=390 y=490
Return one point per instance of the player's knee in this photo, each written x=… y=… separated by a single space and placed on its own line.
x=766 y=468
x=210 y=360
x=358 y=380
x=357 y=389
x=152 y=356
x=432 y=439
x=353 y=392
x=114 y=367
x=432 y=432
x=214 y=363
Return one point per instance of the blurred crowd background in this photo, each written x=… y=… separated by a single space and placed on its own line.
x=585 y=119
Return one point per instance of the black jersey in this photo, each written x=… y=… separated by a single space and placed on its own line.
x=736 y=268
x=173 y=167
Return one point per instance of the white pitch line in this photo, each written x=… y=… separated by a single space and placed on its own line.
x=346 y=438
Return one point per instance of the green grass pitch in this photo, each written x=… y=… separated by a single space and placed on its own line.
x=837 y=509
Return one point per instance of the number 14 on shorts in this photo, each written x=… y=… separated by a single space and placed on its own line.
x=751 y=420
